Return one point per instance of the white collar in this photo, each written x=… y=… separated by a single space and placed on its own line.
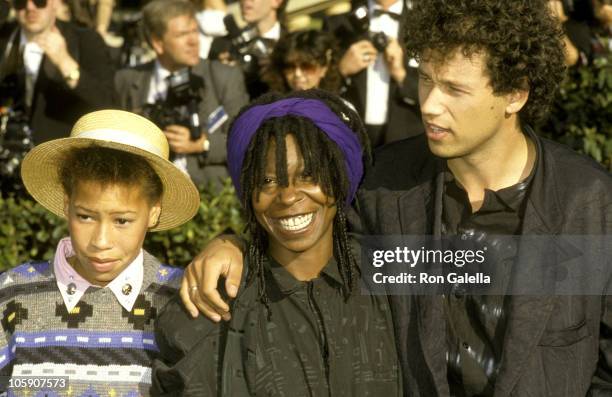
x=126 y=286
x=160 y=72
x=274 y=32
x=396 y=7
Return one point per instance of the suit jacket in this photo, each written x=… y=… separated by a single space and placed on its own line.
x=403 y=114
x=554 y=345
x=223 y=86
x=55 y=106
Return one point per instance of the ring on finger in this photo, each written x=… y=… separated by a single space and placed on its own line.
x=193 y=288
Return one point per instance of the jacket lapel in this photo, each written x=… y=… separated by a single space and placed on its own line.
x=139 y=90
x=529 y=314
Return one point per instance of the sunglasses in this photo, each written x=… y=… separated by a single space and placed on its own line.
x=22 y=4
x=305 y=67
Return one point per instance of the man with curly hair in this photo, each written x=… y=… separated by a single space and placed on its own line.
x=488 y=71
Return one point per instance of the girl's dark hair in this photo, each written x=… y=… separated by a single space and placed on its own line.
x=109 y=166
x=299 y=48
x=323 y=160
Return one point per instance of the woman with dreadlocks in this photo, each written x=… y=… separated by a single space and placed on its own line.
x=299 y=326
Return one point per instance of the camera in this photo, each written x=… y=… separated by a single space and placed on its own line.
x=181 y=104
x=247 y=47
x=15 y=134
x=360 y=23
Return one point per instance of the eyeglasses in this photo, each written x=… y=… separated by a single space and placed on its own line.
x=305 y=67
x=22 y=4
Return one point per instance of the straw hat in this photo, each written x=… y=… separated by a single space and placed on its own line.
x=119 y=130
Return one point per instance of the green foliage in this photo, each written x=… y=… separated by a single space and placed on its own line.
x=28 y=231
x=582 y=115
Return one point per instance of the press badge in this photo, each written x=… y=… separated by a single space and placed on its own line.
x=216 y=120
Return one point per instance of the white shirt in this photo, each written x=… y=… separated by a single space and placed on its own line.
x=274 y=32
x=32 y=58
x=126 y=286
x=378 y=76
x=211 y=26
x=158 y=90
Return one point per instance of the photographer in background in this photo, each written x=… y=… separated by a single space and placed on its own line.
x=189 y=98
x=53 y=71
x=251 y=46
x=374 y=66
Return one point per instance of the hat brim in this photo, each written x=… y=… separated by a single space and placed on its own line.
x=39 y=171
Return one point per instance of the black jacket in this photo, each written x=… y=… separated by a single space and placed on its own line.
x=554 y=345
x=404 y=117
x=55 y=106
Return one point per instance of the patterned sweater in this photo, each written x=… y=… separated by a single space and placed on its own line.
x=101 y=348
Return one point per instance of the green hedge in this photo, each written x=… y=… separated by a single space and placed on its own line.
x=582 y=114
x=28 y=231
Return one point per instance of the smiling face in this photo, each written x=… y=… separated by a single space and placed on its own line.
x=180 y=44
x=461 y=113
x=297 y=218
x=107 y=225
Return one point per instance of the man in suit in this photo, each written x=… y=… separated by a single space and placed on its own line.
x=372 y=73
x=488 y=70
x=60 y=71
x=172 y=31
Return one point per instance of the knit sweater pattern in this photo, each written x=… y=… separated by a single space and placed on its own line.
x=96 y=349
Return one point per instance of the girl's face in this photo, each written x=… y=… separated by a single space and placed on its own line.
x=107 y=227
x=298 y=218
x=303 y=75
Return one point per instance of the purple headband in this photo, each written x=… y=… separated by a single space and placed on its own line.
x=318 y=112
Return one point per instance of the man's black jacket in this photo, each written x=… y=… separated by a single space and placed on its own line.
x=554 y=345
x=55 y=106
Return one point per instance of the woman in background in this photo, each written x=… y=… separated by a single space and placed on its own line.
x=303 y=60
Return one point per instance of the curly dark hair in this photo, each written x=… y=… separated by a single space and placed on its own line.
x=521 y=40
x=299 y=48
x=323 y=160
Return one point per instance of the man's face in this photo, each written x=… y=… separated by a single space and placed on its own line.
x=461 y=114
x=254 y=11
x=36 y=20
x=180 y=44
x=107 y=227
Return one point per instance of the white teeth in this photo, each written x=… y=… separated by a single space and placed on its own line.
x=296 y=222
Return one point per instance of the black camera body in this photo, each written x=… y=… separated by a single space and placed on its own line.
x=181 y=104
x=357 y=27
x=15 y=133
x=247 y=47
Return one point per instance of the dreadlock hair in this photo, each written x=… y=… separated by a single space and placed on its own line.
x=323 y=161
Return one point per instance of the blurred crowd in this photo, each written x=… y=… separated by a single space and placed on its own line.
x=191 y=66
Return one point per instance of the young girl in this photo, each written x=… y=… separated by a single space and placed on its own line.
x=82 y=324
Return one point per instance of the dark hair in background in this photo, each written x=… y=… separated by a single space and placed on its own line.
x=323 y=160
x=520 y=38
x=157 y=13
x=108 y=167
x=299 y=48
